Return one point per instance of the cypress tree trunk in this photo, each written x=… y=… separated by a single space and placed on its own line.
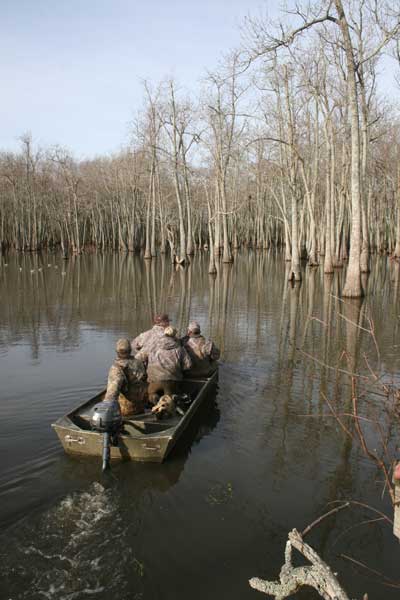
x=352 y=287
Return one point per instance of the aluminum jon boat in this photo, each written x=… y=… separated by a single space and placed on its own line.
x=143 y=437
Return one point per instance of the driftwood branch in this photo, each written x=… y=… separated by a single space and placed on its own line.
x=317 y=575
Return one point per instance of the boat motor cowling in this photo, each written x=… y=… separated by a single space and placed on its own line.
x=107 y=419
x=106 y=416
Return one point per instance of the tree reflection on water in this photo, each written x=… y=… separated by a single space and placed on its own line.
x=286 y=351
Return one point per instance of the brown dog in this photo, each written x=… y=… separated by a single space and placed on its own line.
x=164 y=408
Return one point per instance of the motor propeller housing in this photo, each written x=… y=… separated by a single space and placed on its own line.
x=107 y=419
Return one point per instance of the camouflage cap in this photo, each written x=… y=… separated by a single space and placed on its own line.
x=194 y=327
x=160 y=319
x=123 y=346
x=170 y=331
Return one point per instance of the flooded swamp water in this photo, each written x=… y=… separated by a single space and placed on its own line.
x=265 y=456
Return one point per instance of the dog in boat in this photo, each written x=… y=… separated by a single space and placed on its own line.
x=165 y=407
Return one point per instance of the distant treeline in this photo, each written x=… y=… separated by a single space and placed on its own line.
x=289 y=144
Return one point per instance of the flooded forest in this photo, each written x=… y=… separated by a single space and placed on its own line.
x=267 y=206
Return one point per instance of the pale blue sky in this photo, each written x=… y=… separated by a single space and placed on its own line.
x=71 y=70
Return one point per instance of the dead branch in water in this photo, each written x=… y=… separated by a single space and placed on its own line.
x=368 y=507
x=324 y=516
x=386 y=580
x=372 y=455
x=318 y=575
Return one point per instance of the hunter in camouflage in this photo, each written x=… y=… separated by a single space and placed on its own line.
x=148 y=340
x=125 y=380
x=166 y=363
x=203 y=353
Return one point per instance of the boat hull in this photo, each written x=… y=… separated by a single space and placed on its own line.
x=90 y=443
x=140 y=440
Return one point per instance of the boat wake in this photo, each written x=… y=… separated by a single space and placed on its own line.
x=79 y=548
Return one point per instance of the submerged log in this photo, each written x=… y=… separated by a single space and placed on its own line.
x=318 y=575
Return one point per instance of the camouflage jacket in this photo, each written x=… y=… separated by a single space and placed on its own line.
x=167 y=361
x=124 y=374
x=203 y=354
x=148 y=339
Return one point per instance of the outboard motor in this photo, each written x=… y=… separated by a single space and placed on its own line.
x=107 y=419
